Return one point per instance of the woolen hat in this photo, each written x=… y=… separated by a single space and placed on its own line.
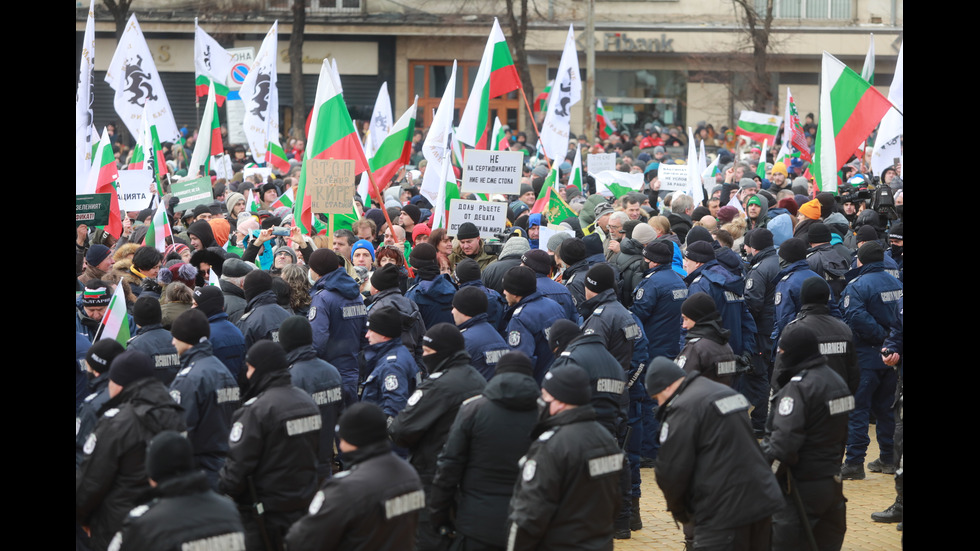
x=661 y=373
x=515 y=362
x=600 y=277
x=191 y=326
x=385 y=277
x=568 y=384
x=385 y=321
x=147 y=311
x=814 y=290
x=572 y=251
x=798 y=344
x=659 y=252
x=129 y=367
x=209 y=299
x=818 y=233
x=871 y=251
x=169 y=455
x=266 y=356
x=362 y=424
x=537 y=260
x=471 y=301
x=699 y=307
x=700 y=251
x=323 y=262
x=562 y=332
x=96 y=254
x=520 y=281
x=793 y=249
x=101 y=354
x=444 y=338
x=260 y=281
x=295 y=332
x=467 y=230
x=467 y=270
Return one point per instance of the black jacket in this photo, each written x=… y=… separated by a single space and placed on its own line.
x=836 y=344
x=423 y=425
x=760 y=296
x=568 y=493
x=707 y=351
x=807 y=426
x=710 y=467
x=113 y=473
x=262 y=319
x=158 y=344
x=489 y=436
x=185 y=511
x=372 y=506
x=275 y=439
x=605 y=316
x=413 y=328
x=323 y=383
x=88 y=412
x=608 y=380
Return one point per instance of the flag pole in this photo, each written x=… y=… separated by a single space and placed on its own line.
x=384 y=211
x=535 y=124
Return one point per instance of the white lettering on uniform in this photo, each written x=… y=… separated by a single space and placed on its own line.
x=891 y=296
x=229 y=394
x=355 y=311
x=405 y=503
x=732 y=297
x=605 y=465
x=166 y=360
x=631 y=332
x=328 y=396
x=275 y=336
x=303 y=425
x=493 y=356
x=610 y=385
x=234 y=541
x=830 y=348
x=841 y=405
x=679 y=294
x=732 y=403
x=726 y=368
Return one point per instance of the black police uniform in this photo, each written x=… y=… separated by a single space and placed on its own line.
x=707 y=351
x=323 y=383
x=88 y=412
x=262 y=319
x=158 y=344
x=605 y=316
x=836 y=343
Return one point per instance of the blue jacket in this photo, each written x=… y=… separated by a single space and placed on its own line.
x=787 y=298
x=262 y=319
x=727 y=290
x=209 y=395
x=158 y=344
x=393 y=376
x=228 y=343
x=323 y=383
x=495 y=303
x=560 y=294
x=657 y=304
x=338 y=317
x=891 y=267
x=484 y=344
x=870 y=304
x=434 y=299
x=527 y=324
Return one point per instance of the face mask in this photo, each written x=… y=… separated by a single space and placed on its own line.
x=309 y=277
x=896 y=251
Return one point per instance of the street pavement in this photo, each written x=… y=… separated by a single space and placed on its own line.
x=874 y=493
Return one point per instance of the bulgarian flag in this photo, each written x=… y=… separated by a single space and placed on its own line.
x=850 y=108
x=541 y=102
x=332 y=136
x=285 y=200
x=760 y=169
x=605 y=124
x=575 y=178
x=115 y=321
x=212 y=65
x=550 y=203
x=159 y=230
x=617 y=183
x=794 y=141
x=102 y=179
x=497 y=140
x=394 y=152
x=251 y=205
x=208 y=138
x=497 y=76
x=758 y=126
x=275 y=156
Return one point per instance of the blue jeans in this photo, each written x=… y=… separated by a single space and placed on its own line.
x=876 y=392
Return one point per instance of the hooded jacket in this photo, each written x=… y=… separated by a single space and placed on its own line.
x=727 y=291
x=338 y=317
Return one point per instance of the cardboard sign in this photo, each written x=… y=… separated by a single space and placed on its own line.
x=673 y=177
x=192 y=193
x=330 y=185
x=492 y=171
x=135 y=189
x=92 y=209
x=597 y=162
x=490 y=218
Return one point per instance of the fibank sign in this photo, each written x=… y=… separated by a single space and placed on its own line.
x=622 y=42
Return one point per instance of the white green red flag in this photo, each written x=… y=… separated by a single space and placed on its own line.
x=332 y=136
x=541 y=102
x=604 y=123
x=260 y=98
x=208 y=139
x=83 y=104
x=888 y=143
x=850 y=108
x=212 y=65
x=496 y=76
x=394 y=151
x=794 y=140
x=549 y=203
x=133 y=75
x=115 y=321
x=102 y=179
x=143 y=148
x=497 y=140
x=575 y=178
x=159 y=230
x=868 y=70
x=616 y=183
x=251 y=205
x=287 y=199
x=566 y=93
x=760 y=169
x=758 y=126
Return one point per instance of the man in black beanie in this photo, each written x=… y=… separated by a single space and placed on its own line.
x=183 y=511
x=542 y=264
x=97 y=361
x=572 y=256
x=385 y=292
x=568 y=493
x=760 y=298
x=272 y=460
x=528 y=317
x=390 y=371
x=805 y=443
x=227 y=340
x=483 y=343
x=112 y=475
x=481 y=459
x=153 y=339
x=374 y=504
x=712 y=472
x=263 y=315
x=423 y=425
x=607 y=317
x=706 y=349
x=794 y=271
x=471 y=246
x=319 y=379
x=468 y=275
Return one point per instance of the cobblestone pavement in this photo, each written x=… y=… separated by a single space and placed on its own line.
x=874 y=493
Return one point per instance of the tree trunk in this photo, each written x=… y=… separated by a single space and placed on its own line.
x=120 y=14
x=296 y=68
x=518 y=36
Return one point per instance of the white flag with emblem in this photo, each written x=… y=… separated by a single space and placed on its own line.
x=381 y=121
x=133 y=75
x=83 y=104
x=260 y=96
x=566 y=92
x=435 y=148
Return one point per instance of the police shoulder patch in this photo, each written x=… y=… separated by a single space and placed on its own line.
x=316 y=503
x=392 y=358
x=175 y=394
x=785 y=405
x=91 y=397
x=748 y=284
x=436 y=375
x=236 y=431
x=639 y=293
x=847 y=300
x=598 y=311
x=680 y=361
x=312 y=313
x=517 y=312
x=89 y=444
x=391 y=382
x=514 y=338
x=663 y=431
x=528 y=473
x=779 y=297
x=111 y=412
x=415 y=397
x=247 y=314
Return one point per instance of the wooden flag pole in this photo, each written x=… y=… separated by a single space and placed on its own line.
x=536 y=130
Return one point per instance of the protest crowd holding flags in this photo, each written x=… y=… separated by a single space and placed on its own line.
x=325 y=214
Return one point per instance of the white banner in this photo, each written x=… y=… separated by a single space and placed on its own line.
x=489 y=218
x=598 y=162
x=492 y=171
x=135 y=189
x=673 y=177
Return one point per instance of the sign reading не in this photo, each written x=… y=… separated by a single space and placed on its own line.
x=330 y=185
x=492 y=171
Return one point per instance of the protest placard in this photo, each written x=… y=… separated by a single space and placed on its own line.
x=488 y=217
x=330 y=185
x=134 y=189
x=597 y=162
x=92 y=209
x=192 y=193
x=673 y=177
x=492 y=171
